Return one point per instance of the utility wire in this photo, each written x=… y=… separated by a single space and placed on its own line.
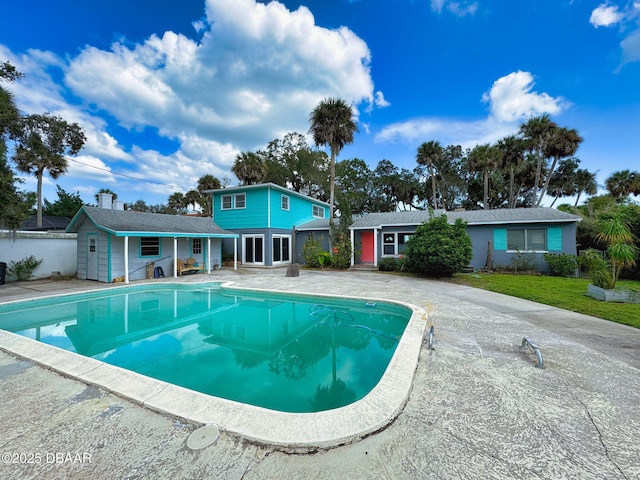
x=128 y=176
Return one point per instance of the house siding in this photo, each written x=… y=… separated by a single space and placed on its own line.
x=254 y=214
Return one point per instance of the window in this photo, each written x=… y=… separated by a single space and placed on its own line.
x=281 y=249
x=389 y=244
x=92 y=245
x=149 y=246
x=196 y=246
x=395 y=243
x=403 y=239
x=253 y=249
x=527 y=239
x=234 y=201
x=284 y=202
x=318 y=211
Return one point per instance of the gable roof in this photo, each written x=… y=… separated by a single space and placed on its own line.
x=281 y=189
x=472 y=217
x=123 y=223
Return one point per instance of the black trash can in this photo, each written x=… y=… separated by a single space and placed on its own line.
x=3 y=272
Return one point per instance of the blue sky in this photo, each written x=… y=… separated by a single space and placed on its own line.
x=168 y=91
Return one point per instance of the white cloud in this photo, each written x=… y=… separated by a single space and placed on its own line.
x=605 y=15
x=510 y=102
x=256 y=73
x=511 y=99
x=460 y=9
x=380 y=101
x=258 y=69
x=628 y=18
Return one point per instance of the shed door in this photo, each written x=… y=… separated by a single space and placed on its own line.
x=92 y=257
x=367 y=247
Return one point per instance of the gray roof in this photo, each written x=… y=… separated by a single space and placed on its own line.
x=136 y=224
x=472 y=217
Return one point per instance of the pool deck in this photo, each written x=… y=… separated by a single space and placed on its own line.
x=478 y=407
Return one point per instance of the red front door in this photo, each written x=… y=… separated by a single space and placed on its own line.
x=367 y=247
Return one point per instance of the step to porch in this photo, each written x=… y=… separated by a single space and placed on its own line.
x=363 y=267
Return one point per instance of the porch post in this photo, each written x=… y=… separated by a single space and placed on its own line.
x=126 y=259
x=375 y=247
x=353 y=253
x=175 y=257
x=209 y=255
x=235 y=253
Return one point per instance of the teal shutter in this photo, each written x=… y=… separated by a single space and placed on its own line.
x=554 y=239
x=500 y=239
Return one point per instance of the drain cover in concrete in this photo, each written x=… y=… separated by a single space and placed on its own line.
x=203 y=437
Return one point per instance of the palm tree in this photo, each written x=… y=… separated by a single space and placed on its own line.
x=249 y=168
x=193 y=198
x=485 y=159
x=332 y=125
x=585 y=182
x=42 y=145
x=537 y=133
x=176 y=201
x=512 y=149
x=622 y=183
x=206 y=183
x=564 y=143
x=562 y=182
x=429 y=153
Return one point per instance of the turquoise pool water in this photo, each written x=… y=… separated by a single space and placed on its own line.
x=292 y=353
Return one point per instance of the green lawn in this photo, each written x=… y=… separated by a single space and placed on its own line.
x=567 y=293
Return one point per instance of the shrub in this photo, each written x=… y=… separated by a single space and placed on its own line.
x=23 y=269
x=598 y=268
x=314 y=255
x=388 y=264
x=524 y=261
x=439 y=249
x=341 y=257
x=561 y=264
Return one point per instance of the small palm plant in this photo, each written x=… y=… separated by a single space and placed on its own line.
x=614 y=232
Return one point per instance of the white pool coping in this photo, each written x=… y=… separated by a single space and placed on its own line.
x=287 y=431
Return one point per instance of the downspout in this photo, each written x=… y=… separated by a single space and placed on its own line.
x=235 y=253
x=375 y=247
x=126 y=259
x=353 y=246
x=175 y=257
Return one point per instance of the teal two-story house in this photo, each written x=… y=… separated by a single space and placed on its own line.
x=265 y=217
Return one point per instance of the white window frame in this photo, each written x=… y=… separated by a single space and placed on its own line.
x=229 y=202
x=395 y=243
x=281 y=262
x=237 y=197
x=244 y=249
x=526 y=240
x=318 y=211
x=284 y=202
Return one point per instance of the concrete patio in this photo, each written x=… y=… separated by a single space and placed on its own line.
x=478 y=408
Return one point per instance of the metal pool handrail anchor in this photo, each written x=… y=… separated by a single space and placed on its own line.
x=430 y=339
x=528 y=343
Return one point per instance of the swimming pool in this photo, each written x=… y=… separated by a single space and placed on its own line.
x=291 y=353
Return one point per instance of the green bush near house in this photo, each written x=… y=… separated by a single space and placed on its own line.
x=438 y=248
x=388 y=264
x=562 y=264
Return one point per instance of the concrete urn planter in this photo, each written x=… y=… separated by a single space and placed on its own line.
x=623 y=296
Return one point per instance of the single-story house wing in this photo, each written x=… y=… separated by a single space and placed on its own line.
x=118 y=243
x=498 y=236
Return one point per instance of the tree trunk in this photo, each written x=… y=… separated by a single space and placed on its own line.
x=485 y=199
x=332 y=186
x=39 y=193
x=511 y=181
x=433 y=187
x=578 y=198
x=546 y=181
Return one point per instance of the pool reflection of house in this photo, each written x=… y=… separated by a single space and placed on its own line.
x=266 y=325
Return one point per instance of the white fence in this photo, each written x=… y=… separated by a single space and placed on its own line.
x=56 y=250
